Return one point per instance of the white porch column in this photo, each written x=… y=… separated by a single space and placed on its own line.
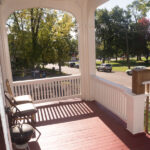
x=4 y=50
x=87 y=50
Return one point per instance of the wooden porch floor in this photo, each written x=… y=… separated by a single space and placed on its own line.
x=83 y=125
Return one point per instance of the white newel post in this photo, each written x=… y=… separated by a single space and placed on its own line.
x=135 y=113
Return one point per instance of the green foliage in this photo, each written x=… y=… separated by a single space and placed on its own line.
x=122 y=66
x=39 y=36
x=123 y=32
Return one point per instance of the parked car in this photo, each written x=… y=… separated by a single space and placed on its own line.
x=105 y=67
x=130 y=71
x=72 y=64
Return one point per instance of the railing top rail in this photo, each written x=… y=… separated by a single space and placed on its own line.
x=114 y=85
x=146 y=82
x=45 y=79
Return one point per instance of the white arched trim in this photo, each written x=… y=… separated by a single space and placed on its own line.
x=68 y=6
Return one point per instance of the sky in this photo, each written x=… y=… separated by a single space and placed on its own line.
x=112 y=3
x=121 y=3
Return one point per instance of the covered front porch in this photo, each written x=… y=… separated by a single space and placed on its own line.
x=75 y=112
x=66 y=121
x=76 y=124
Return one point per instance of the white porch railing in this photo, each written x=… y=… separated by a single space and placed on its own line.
x=116 y=98
x=49 y=88
x=147 y=108
x=147 y=87
x=121 y=101
x=112 y=96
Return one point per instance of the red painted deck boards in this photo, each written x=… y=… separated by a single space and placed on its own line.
x=83 y=126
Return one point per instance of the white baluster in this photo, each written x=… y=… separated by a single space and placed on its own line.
x=61 y=88
x=19 y=92
x=49 y=88
x=25 y=89
x=33 y=92
x=44 y=88
x=50 y=91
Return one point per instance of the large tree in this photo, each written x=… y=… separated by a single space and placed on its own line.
x=23 y=34
x=39 y=36
x=112 y=29
x=62 y=39
x=103 y=33
x=123 y=32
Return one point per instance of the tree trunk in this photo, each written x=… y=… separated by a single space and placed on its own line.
x=147 y=55
x=43 y=66
x=59 y=64
x=103 y=60
x=35 y=24
x=147 y=58
x=139 y=58
x=16 y=20
x=116 y=58
x=128 y=61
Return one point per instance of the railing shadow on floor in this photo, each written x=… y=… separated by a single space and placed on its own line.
x=63 y=112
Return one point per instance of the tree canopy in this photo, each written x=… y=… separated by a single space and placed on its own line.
x=122 y=32
x=39 y=36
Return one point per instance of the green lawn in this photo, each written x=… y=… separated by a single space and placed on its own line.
x=121 y=65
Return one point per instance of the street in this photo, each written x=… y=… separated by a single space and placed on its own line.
x=117 y=77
